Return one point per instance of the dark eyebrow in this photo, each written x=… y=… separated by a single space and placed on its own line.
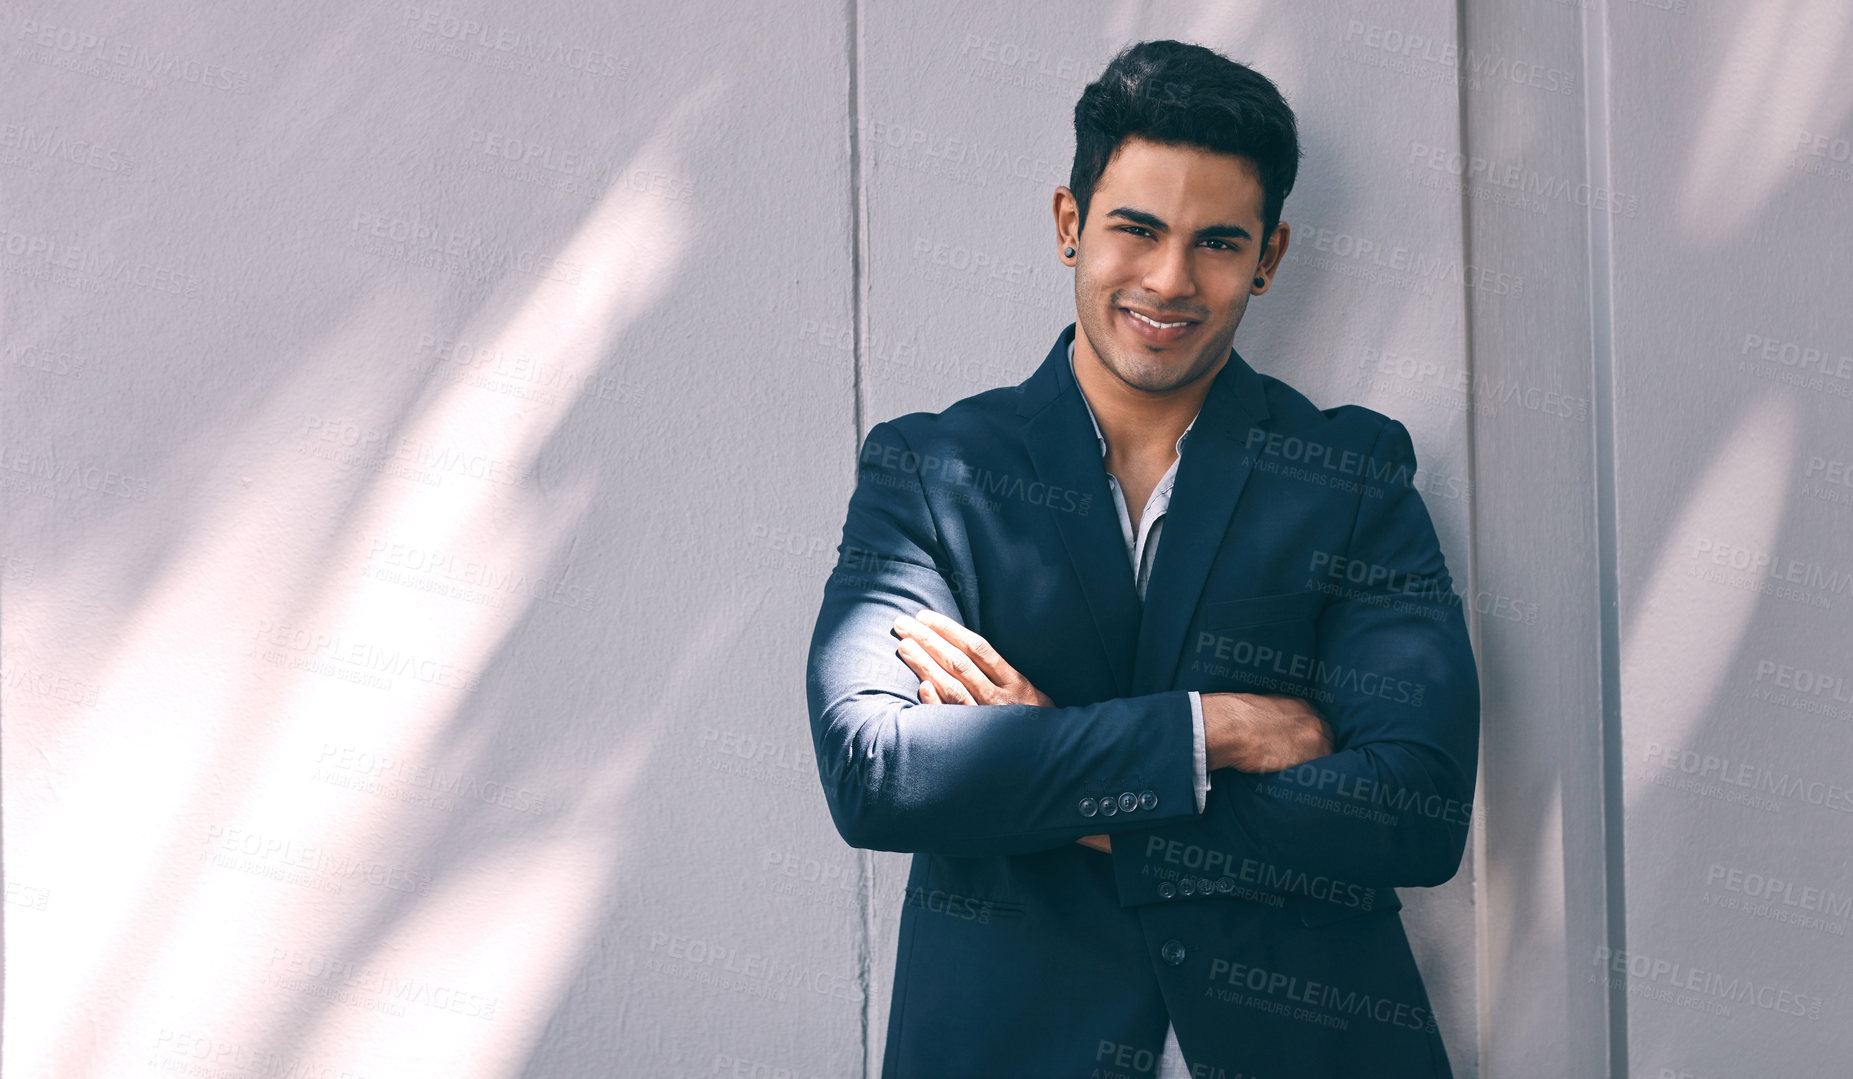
x=1208 y=232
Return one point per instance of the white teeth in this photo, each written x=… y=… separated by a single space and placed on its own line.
x=1160 y=325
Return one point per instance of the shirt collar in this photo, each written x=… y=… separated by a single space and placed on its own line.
x=1102 y=439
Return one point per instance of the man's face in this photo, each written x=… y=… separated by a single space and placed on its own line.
x=1173 y=235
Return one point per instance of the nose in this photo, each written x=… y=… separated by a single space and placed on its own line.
x=1168 y=272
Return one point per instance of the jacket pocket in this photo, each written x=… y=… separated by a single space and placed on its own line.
x=1255 y=610
x=961 y=892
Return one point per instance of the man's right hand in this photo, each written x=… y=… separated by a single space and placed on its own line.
x=1254 y=732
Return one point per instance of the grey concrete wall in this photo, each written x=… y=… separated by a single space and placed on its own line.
x=1663 y=812
x=426 y=433
x=1732 y=378
x=406 y=601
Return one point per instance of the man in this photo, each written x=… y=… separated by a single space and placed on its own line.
x=1182 y=689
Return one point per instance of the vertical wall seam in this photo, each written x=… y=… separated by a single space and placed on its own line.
x=858 y=222
x=1602 y=359
x=1482 y=1024
x=857 y=216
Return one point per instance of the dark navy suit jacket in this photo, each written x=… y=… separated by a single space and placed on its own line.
x=1298 y=558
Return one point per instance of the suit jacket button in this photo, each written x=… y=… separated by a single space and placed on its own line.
x=1188 y=886
x=1148 y=800
x=1172 y=951
x=1088 y=808
x=1108 y=805
x=1166 y=889
x=1225 y=885
x=1128 y=801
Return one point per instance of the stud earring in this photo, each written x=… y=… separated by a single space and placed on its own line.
x=1260 y=282
x=1068 y=252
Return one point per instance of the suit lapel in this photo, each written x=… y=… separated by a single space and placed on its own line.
x=1143 y=649
x=1062 y=448
x=1211 y=473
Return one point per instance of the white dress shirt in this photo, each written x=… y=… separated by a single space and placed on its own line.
x=1142 y=549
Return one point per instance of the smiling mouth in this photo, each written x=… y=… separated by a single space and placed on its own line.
x=1155 y=323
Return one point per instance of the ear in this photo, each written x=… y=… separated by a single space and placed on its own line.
x=1271 y=254
x=1067 y=225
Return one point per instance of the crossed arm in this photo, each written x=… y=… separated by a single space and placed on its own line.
x=1249 y=732
x=961 y=769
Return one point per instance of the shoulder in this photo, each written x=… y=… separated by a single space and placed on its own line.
x=967 y=425
x=1351 y=426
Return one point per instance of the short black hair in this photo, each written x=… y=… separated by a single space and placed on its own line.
x=1170 y=92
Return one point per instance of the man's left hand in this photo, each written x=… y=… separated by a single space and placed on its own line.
x=957 y=666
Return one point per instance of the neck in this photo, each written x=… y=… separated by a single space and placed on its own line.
x=1138 y=422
